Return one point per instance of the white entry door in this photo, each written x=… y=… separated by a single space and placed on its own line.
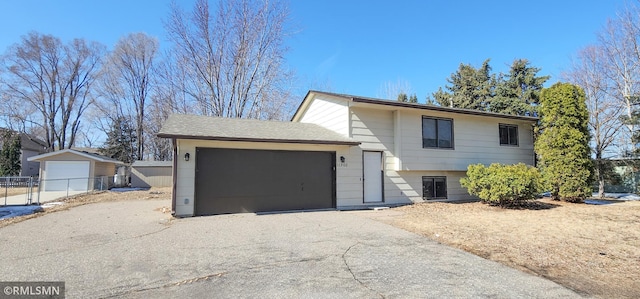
x=372 y=176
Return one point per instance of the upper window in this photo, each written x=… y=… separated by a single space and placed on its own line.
x=508 y=134
x=437 y=132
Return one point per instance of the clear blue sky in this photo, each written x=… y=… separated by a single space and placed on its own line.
x=356 y=46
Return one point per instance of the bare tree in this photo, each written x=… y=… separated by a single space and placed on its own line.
x=126 y=82
x=168 y=97
x=390 y=90
x=604 y=110
x=621 y=54
x=230 y=59
x=52 y=82
x=160 y=148
x=171 y=93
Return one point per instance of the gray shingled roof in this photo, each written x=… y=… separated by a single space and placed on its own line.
x=391 y=103
x=152 y=164
x=233 y=129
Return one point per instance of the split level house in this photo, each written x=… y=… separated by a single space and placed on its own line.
x=338 y=151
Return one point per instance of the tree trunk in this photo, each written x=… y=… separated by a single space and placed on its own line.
x=601 y=187
x=600 y=173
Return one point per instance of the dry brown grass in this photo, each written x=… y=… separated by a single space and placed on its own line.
x=11 y=191
x=594 y=250
x=100 y=196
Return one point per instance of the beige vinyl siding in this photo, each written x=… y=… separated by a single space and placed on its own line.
x=349 y=178
x=185 y=188
x=104 y=169
x=103 y=173
x=398 y=134
x=476 y=140
x=151 y=176
x=406 y=186
x=375 y=129
x=329 y=112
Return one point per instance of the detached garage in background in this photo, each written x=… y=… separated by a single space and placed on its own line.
x=145 y=174
x=224 y=165
x=75 y=170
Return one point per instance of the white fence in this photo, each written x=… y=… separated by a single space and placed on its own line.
x=29 y=190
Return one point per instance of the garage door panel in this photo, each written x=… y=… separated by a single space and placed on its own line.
x=231 y=205
x=235 y=181
x=60 y=175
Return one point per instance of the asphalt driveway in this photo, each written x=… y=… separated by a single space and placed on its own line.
x=131 y=250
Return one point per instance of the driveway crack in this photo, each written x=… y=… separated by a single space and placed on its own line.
x=344 y=260
x=210 y=276
x=171 y=284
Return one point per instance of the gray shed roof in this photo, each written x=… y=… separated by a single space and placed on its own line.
x=152 y=164
x=96 y=157
x=232 y=129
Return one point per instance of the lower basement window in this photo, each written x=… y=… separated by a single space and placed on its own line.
x=434 y=187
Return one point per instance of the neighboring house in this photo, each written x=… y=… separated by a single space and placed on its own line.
x=75 y=170
x=29 y=147
x=628 y=176
x=339 y=151
x=146 y=174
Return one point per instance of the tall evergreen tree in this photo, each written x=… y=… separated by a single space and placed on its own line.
x=402 y=97
x=439 y=98
x=10 y=154
x=519 y=92
x=563 y=144
x=469 y=88
x=121 y=142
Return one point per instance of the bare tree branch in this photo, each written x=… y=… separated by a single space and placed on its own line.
x=127 y=82
x=55 y=80
x=390 y=90
x=589 y=72
x=230 y=59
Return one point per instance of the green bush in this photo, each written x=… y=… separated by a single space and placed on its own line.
x=503 y=184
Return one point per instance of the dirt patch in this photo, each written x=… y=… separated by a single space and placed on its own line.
x=99 y=196
x=594 y=250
